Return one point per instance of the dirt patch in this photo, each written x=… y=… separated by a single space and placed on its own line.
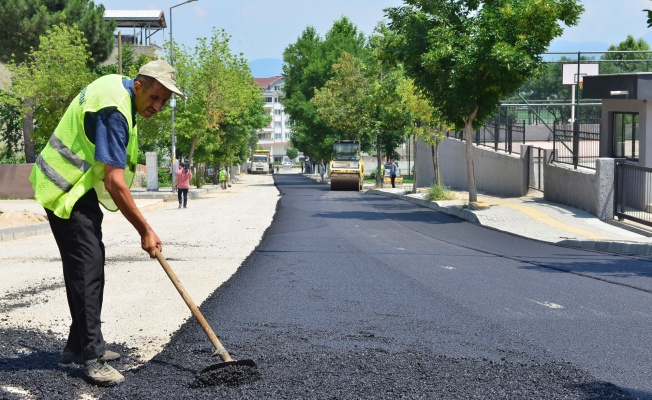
x=9 y=219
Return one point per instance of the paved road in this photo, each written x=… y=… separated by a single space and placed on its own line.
x=352 y=295
x=360 y=296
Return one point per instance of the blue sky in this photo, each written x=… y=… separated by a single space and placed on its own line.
x=264 y=28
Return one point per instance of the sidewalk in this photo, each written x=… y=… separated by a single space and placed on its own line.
x=533 y=217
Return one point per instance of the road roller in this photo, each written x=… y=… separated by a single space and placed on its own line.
x=346 y=166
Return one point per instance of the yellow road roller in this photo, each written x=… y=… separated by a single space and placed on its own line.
x=346 y=166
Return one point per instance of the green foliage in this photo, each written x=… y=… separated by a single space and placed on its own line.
x=164 y=178
x=439 y=192
x=308 y=66
x=11 y=134
x=198 y=179
x=51 y=76
x=362 y=100
x=292 y=153
x=547 y=84
x=649 y=18
x=467 y=55
x=223 y=109
x=23 y=22
x=614 y=63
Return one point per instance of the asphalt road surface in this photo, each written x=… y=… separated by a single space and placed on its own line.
x=356 y=296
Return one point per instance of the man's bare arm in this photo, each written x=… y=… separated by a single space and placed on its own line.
x=121 y=195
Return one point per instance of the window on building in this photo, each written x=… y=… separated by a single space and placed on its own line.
x=277 y=124
x=277 y=136
x=269 y=99
x=626 y=136
x=278 y=112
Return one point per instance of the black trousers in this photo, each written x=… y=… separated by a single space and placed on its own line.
x=392 y=177
x=82 y=253
x=184 y=193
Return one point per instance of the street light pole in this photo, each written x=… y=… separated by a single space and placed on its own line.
x=173 y=100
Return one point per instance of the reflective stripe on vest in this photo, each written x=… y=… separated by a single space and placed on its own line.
x=66 y=153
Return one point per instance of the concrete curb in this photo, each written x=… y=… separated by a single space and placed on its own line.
x=611 y=246
x=20 y=232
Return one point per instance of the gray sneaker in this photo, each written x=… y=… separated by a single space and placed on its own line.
x=69 y=356
x=102 y=374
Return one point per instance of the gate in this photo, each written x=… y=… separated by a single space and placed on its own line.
x=633 y=199
x=536 y=159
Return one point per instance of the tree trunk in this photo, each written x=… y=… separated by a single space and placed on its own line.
x=468 y=132
x=414 y=175
x=28 y=127
x=435 y=162
x=192 y=148
x=378 y=160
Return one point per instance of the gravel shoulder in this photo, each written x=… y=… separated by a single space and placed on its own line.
x=205 y=244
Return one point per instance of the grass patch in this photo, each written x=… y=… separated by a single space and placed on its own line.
x=439 y=192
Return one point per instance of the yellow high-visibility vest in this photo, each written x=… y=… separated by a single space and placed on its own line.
x=66 y=168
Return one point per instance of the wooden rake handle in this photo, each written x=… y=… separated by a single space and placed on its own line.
x=219 y=349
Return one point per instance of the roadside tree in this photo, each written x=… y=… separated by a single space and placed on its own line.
x=359 y=100
x=11 y=131
x=308 y=64
x=292 y=153
x=23 y=22
x=617 y=63
x=468 y=54
x=47 y=80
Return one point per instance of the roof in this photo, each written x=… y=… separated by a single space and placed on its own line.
x=633 y=86
x=266 y=83
x=137 y=18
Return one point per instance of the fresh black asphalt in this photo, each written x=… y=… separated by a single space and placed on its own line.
x=355 y=296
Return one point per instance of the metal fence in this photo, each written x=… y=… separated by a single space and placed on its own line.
x=633 y=199
x=499 y=136
x=577 y=144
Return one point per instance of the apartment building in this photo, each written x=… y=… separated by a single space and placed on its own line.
x=276 y=136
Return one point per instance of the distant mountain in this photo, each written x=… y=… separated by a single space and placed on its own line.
x=266 y=67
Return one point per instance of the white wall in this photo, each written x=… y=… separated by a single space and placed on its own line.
x=496 y=173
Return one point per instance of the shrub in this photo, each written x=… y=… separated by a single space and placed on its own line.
x=439 y=192
x=164 y=178
x=197 y=180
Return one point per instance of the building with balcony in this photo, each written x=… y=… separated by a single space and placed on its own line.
x=275 y=137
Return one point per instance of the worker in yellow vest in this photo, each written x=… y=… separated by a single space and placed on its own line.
x=91 y=159
x=223 y=178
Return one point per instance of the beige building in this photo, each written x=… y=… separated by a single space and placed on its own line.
x=275 y=137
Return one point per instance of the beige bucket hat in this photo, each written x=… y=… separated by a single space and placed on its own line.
x=163 y=73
